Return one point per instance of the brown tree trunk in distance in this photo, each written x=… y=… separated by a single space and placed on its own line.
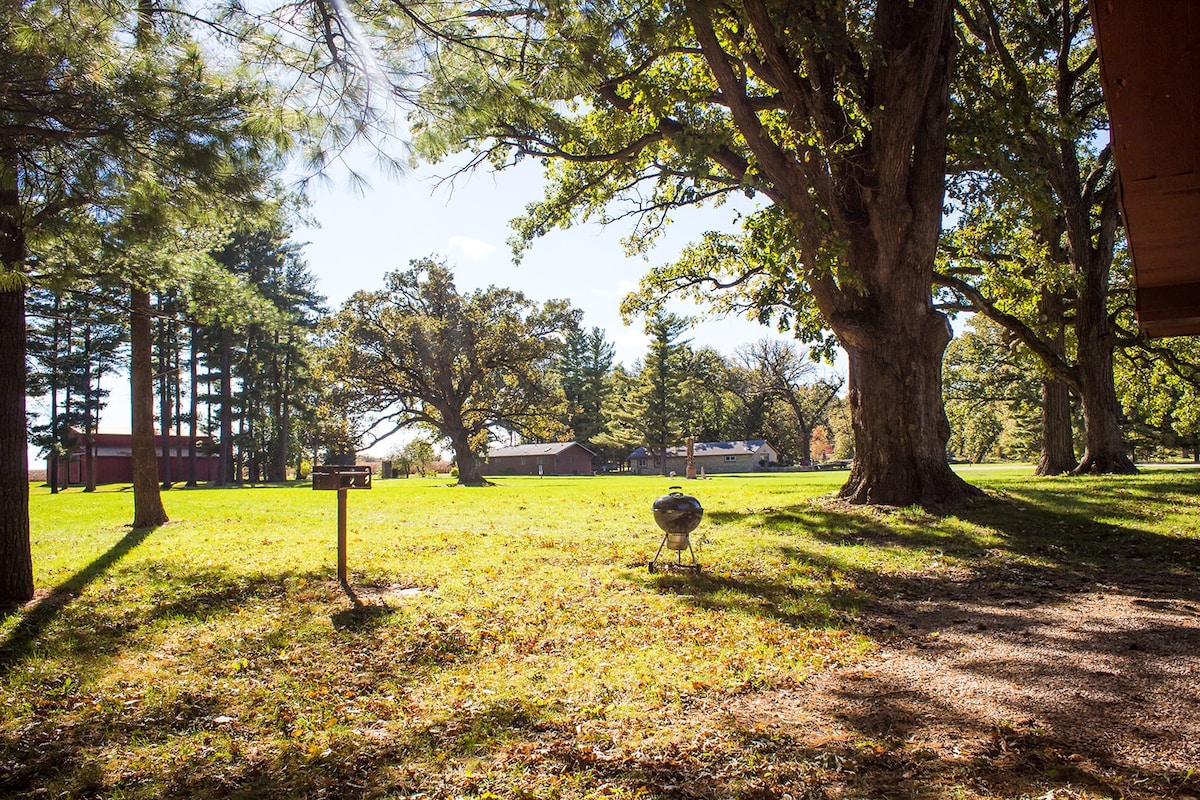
x=164 y=395
x=1058 y=445
x=52 y=453
x=468 y=467
x=225 y=468
x=285 y=418
x=89 y=413
x=148 y=511
x=1092 y=257
x=1105 y=452
x=16 y=561
x=1058 y=435
x=193 y=403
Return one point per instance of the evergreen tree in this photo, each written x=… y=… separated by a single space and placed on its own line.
x=584 y=365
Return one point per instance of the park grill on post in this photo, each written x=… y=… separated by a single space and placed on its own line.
x=334 y=477
x=677 y=514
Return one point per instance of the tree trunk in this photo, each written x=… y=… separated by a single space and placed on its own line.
x=1058 y=445
x=1104 y=452
x=225 y=471
x=900 y=425
x=90 y=412
x=16 y=562
x=193 y=402
x=1105 y=449
x=285 y=417
x=148 y=511
x=464 y=456
x=164 y=394
x=806 y=434
x=52 y=451
x=89 y=457
x=1058 y=436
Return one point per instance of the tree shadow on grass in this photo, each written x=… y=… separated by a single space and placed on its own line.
x=1031 y=543
x=37 y=616
x=1047 y=643
x=193 y=625
x=810 y=604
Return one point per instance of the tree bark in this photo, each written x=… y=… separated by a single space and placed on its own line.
x=900 y=425
x=1092 y=247
x=1058 y=445
x=16 y=562
x=1058 y=436
x=55 y=434
x=225 y=468
x=90 y=412
x=464 y=457
x=193 y=402
x=164 y=394
x=285 y=417
x=148 y=511
x=1105 y=451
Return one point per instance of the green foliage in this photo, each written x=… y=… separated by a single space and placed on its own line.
x=756 y=272
x=1036 y=247
x=418 y=352
x=796 y=400
x=583 y=367
x=1159 y=387
x=415 y=455
x=630 y=109
x=992 y=387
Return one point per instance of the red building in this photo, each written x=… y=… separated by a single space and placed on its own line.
x=114 y=459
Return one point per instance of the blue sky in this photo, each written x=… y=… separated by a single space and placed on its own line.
x=364 y=235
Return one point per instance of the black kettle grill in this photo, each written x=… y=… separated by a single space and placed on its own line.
x=677 y=514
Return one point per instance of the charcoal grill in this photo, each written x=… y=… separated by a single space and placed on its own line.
x=677 y=514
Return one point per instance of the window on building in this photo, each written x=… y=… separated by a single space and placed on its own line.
x=731 y=458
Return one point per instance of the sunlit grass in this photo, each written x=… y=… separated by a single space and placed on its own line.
x=494 y=628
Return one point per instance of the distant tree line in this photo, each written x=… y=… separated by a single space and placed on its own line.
x=232 y=359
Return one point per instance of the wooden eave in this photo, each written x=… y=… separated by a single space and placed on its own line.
x=1149 y=61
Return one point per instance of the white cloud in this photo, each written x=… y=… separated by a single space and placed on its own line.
x=470 y=249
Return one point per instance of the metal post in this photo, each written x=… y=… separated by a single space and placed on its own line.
x=342 y=537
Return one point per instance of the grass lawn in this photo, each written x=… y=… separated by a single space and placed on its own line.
x=502 y=642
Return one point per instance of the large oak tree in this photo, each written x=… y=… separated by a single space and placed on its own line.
x=1037 y=245
x=835 y=113
x=420 y=353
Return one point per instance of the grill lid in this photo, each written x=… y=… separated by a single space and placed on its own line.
x=677 y=512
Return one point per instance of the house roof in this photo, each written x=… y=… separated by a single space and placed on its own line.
x=1149 y=72
x=544 y=449
x=744 y=447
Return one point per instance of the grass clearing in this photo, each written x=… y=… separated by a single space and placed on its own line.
x=500 y=642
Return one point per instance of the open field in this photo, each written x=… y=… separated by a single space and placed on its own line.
x=510 y=642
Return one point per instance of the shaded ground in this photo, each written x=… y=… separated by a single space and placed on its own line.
x=1100 y=695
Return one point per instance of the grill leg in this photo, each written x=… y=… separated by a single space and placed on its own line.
x=661 y=545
